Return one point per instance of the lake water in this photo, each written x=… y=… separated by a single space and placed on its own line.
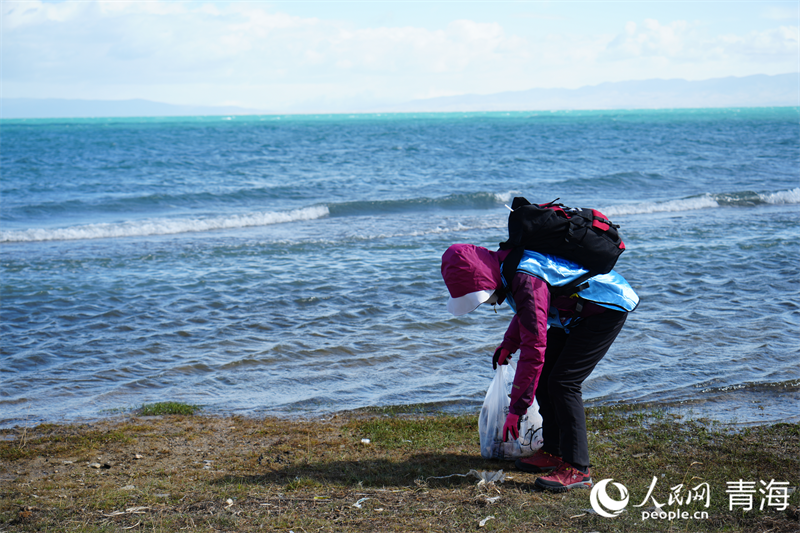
x=289 y=265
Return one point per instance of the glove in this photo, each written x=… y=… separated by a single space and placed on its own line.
x=511 y=427
x=501 y=357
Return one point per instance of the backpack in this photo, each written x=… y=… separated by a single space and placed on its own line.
x=583 y=236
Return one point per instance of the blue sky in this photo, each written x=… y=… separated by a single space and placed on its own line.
x=307 y=56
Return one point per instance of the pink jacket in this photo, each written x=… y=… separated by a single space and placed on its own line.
x=466 y=269
x=528 y=334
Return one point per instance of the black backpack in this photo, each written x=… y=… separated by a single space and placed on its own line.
x=583 y=236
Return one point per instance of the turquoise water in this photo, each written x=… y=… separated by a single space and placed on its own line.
x=290 y=264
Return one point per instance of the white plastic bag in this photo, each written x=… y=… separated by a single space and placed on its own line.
x=493 y=418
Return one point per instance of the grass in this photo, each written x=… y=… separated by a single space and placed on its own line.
x=60 y=440
x=168 y=408
x=236 y=474
x=406 y=433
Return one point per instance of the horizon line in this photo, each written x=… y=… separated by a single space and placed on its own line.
x=380 y=113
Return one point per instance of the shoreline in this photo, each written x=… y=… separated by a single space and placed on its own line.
x=725 y=412
x=233 y=473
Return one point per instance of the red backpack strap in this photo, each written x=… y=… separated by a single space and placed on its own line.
x=601 y=222
x=558 y=208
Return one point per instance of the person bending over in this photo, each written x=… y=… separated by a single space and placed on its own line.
x=554 y=361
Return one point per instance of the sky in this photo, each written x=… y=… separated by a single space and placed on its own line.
x=313 y=55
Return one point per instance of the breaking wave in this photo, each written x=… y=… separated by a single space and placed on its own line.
x=707 y=201
x=169 y=226
x=164 y=226
x=480 y=200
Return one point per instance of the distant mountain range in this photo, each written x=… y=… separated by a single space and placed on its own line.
x=750 y=91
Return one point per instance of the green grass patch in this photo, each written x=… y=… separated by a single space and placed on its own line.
x=428 y=432
x=13 y=453
x=168 y=408
x=302 y=483
x=57 y=442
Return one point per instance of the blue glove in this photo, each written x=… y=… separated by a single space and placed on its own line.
x=511 y=427
x=501 y=357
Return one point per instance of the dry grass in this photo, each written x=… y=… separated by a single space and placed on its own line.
x=207 y=473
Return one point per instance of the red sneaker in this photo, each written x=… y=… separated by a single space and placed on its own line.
x=539 y=462
x=565 y=478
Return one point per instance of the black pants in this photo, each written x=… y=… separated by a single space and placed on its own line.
x=568 y=361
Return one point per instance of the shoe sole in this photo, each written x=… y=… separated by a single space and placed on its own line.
x=542 y=485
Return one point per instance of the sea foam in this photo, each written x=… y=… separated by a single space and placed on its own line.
x=782 y=197
x=705 y=201
x=164 y=226
x=686 y=204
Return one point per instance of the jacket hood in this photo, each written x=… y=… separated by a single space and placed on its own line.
x=472 y=274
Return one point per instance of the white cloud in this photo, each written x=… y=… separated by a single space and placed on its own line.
x=684 y=42
x=22 y=14
x=774 y=43
x=653 y=39
x=781 y=13
x=184 y=52
x=127 y=40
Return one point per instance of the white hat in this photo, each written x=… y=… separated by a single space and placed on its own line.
x=472 y=274
x=469 y=302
